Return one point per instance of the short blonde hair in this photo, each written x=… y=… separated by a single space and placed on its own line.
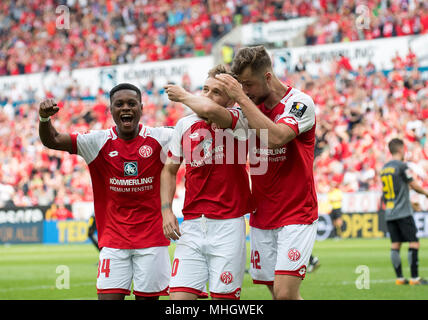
x=218 y=69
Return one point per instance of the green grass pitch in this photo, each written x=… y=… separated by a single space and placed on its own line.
x=32 y=272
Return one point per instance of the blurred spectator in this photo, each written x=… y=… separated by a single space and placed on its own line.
x=62 y=213
x=58 y=212
x=343 y=63
x=108 y=32
x=300 y=65
x=6 y=195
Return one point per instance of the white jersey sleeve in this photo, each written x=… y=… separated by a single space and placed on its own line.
x=162 y=135
x=175 y=148
x=89 y=144
x=299 y=113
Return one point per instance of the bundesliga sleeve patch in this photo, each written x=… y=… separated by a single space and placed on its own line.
x=298 y=109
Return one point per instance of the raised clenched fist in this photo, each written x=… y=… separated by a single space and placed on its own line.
x=175 y=92
x=48 y=108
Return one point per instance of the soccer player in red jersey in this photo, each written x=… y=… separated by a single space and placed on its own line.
x=125 y=163
x=211 y=244
x=283 y=229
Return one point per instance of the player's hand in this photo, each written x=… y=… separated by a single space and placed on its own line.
x=48 y=108
x=416 y=206
x=231 y=86
x=175 y=92
x=170 y=226
x=208 y=121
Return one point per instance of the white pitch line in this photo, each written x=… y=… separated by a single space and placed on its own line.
x=345 y=283
x=83 y=284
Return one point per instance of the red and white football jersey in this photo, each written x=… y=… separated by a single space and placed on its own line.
x=286 y=194
x=125 y=178
x=216 y=179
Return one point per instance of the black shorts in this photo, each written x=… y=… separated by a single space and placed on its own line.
x=402 y=230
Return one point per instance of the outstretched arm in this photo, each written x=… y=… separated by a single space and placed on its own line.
x=48 y=135
x=278 y=133
x=204 y=107
x=415 y=186
x=167 y=191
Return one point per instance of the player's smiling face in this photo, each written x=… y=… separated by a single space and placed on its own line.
x=212 y=89
x=126 y=109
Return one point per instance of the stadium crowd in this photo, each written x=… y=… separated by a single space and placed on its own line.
x=358 y=111
x=39 y=36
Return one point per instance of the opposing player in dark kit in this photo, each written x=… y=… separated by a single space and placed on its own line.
x=396 y=180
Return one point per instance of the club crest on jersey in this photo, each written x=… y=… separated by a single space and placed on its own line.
x=130 y=169
x=145 y=151
x=206 y=145
x=298 y=109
